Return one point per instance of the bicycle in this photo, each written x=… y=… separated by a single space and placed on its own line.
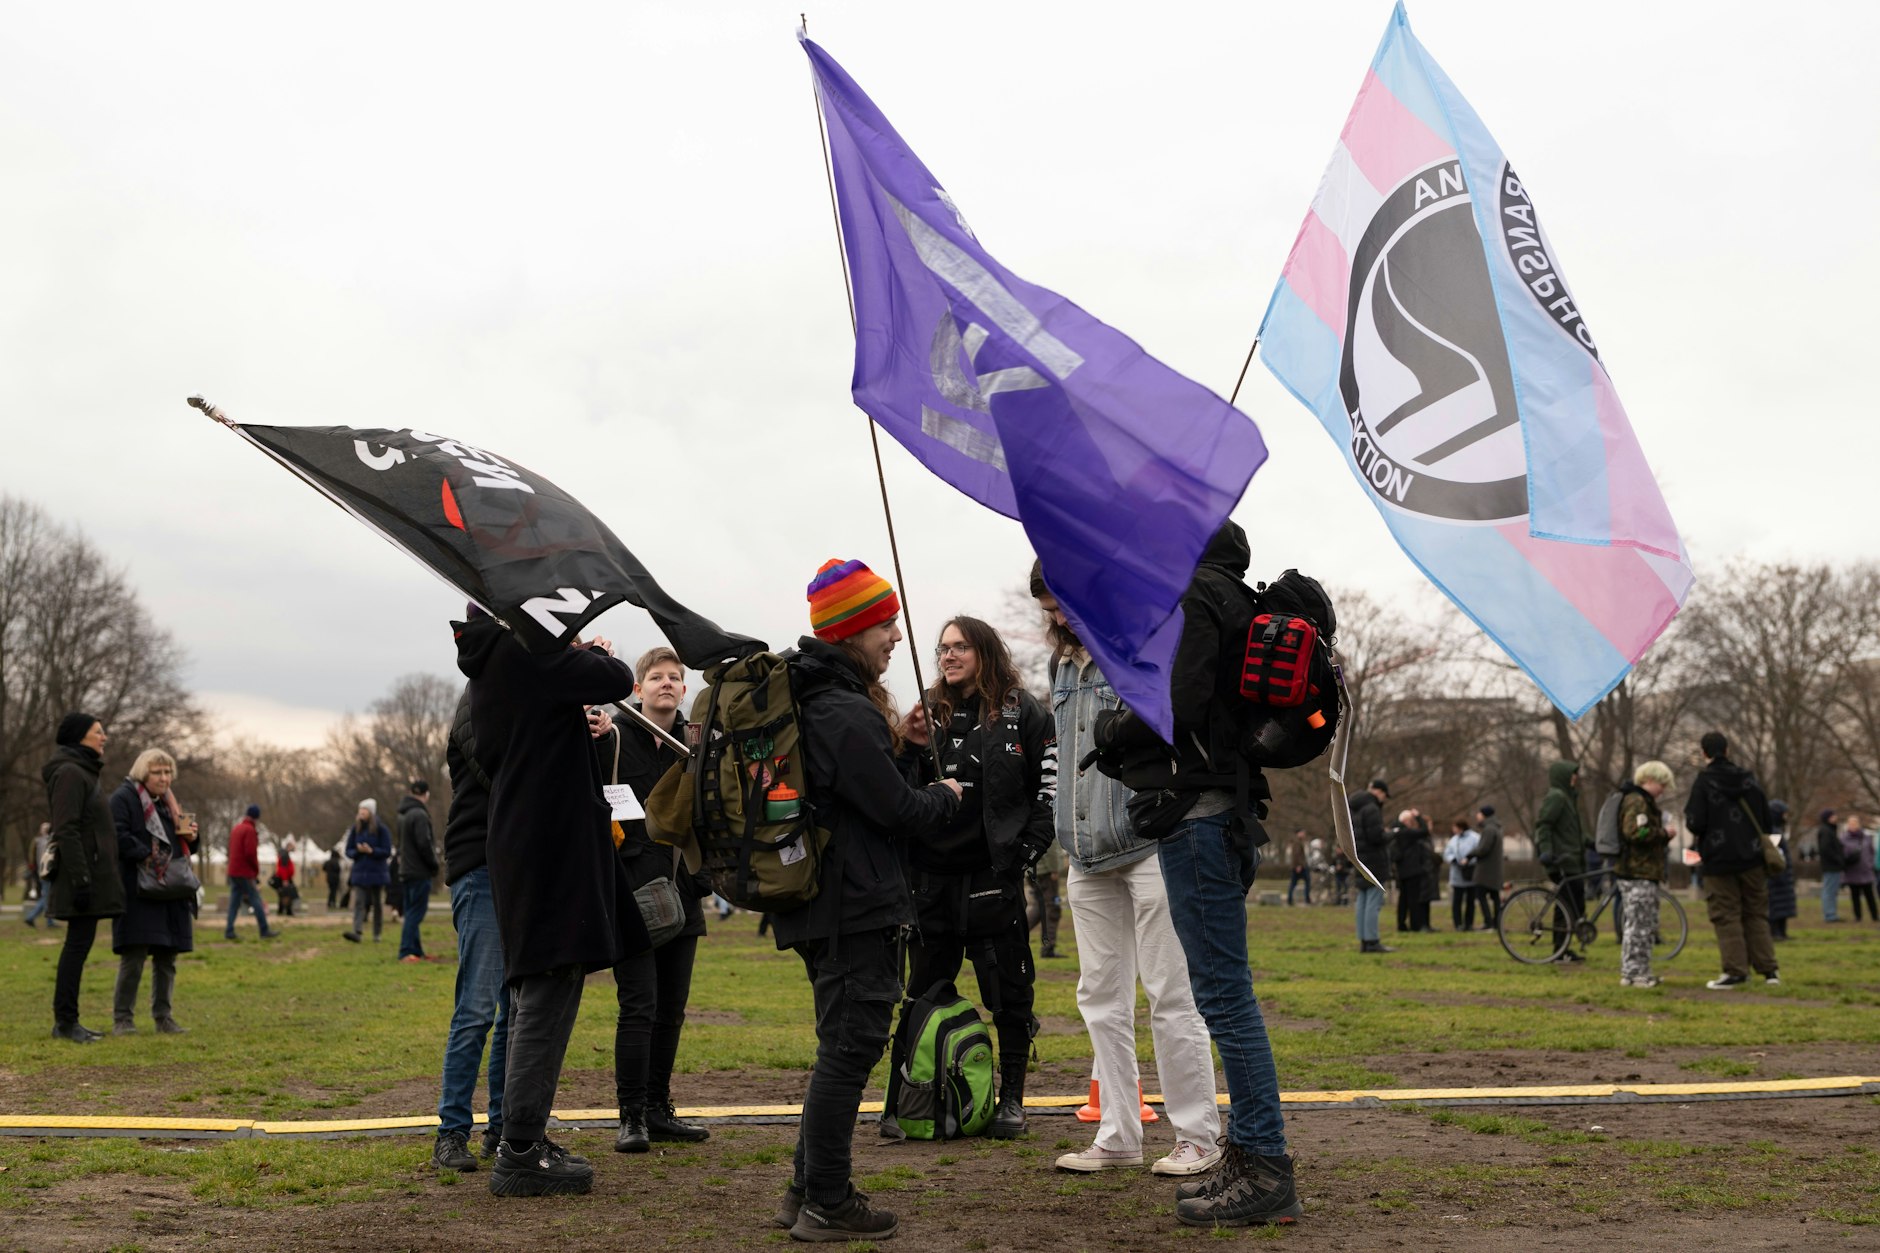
x=1537 y=925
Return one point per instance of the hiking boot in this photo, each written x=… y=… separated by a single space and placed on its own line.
x=663 y=1123
x=1188 y=1159
x=169 y=1026
x=1008 y=1120
x=75 y=1033
x=632 y=1137
x=1723 y=982
x=452 y=1152
x=789 y=1208
x=854 y=1219
x=1249 y=1189
x=538 y=1169
x=1089 y=1161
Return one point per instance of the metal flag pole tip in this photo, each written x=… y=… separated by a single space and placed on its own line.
x=198 y=402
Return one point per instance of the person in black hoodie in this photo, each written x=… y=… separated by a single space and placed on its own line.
x=652 y=988
x=1414 y=862
x=1208 y=862
x=86 y=885
x=1727 y=814
x=1833 y=862
x=557 y=885
x=848 y=936
x=1373 y=849
x=417 y=866
x=1000 y=744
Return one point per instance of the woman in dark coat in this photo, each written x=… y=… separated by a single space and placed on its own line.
x=86 y=885
x=1414 y=860
x=145 y=812
x=370 y=844
x=1781 y=886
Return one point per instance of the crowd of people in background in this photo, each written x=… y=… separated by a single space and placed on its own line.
x=954 y=834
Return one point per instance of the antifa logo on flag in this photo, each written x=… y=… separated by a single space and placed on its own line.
x=1531 y=256
x=1434 y=424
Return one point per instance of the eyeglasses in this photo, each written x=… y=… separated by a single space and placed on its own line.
x=952 y=650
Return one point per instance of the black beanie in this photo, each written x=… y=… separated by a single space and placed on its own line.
x=72 y=728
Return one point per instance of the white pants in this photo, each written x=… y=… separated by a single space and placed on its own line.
x=1123 y=932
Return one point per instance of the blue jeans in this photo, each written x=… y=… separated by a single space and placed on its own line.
x=1831 y=896
x=1370 y=902
x=240 y=891
x=38 y=907
x=1206 y=875
x=417 y=902
x=481 y=1001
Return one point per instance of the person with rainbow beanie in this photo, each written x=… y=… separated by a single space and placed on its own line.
x=848 y=935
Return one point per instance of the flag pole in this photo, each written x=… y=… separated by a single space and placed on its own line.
x=1251 y=349
x=215 y=414
x=874 y=436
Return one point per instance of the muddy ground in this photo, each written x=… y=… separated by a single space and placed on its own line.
x=1760 y=1174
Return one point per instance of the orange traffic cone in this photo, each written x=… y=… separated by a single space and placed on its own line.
x=1092 y=1111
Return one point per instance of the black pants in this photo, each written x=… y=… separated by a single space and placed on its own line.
x=652 y=990
x=855 y=983
x=332 y=893
x=79 y=935
x=958 y=919
x=1856 y=892
x=131 y=961
x=542 y=1011
x=1413 y=906
x=1462 y=906
x=1573 y=897
x=1490 y=900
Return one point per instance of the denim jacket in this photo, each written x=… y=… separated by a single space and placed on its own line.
x=1092 y=824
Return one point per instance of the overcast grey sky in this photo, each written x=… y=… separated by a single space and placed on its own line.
x=595 y=239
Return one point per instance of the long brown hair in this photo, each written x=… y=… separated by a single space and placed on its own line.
x=1063 y=641
x=878 y=694
x=997 y=675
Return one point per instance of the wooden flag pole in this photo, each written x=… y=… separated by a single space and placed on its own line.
x=874 y=437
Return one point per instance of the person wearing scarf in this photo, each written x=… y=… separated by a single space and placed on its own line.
x=150 y=824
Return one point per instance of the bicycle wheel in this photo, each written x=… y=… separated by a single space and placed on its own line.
x=1534 y=926
x=1673 y=927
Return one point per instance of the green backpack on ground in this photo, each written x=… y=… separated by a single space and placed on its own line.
x=743 y=794
x=941 y=1086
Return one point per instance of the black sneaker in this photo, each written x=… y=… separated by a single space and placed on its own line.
x=492 y=1136
x=452 y=1152
x=1248 y=1189
x=75 y=1033
x=663 y=1123
x=169 y=1026
x=351 y=937
x=1722 y=982
x=539 y=1169
x=854 y=1219
x=789 y=1208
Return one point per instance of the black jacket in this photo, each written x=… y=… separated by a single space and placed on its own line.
x=644 y=760
x=1020 y=783
x=860 y=797
x=83 y=833
x=1410 y=851
x=1828 y=847
x=152 y=924
x=1367 y=829
x=1727 y=813
x=467 y=826
x=417 y=848
x=557 y=885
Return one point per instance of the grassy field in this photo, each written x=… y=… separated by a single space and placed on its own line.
x=311 y=1027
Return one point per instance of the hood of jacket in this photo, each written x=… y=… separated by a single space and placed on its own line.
x=1727 y=777
x=817 y=663
x=410 y=803
x=1228 y=550
x=477 y=640
x=1561 y=773
x=72 y=755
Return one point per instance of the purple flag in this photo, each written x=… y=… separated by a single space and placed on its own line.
x=1119 y=468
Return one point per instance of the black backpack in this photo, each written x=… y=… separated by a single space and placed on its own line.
x=1276 y=654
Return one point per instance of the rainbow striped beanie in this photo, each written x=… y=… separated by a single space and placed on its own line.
x=846 y=597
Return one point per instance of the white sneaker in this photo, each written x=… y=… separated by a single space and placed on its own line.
x=1773 y=981
x=1092 y=1159
x=1642 y=981
x=1188 y=1159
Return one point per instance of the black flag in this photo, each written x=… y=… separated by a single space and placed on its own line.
x=507 y=538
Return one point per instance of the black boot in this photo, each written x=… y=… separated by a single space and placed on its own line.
x=1247 y=1190
x=1008 y=1120
x=632 y=1137
x=1374 y=946
x=663 y=1123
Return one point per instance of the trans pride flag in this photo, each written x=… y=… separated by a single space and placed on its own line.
x=1423 y=317
x=1119 y=468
